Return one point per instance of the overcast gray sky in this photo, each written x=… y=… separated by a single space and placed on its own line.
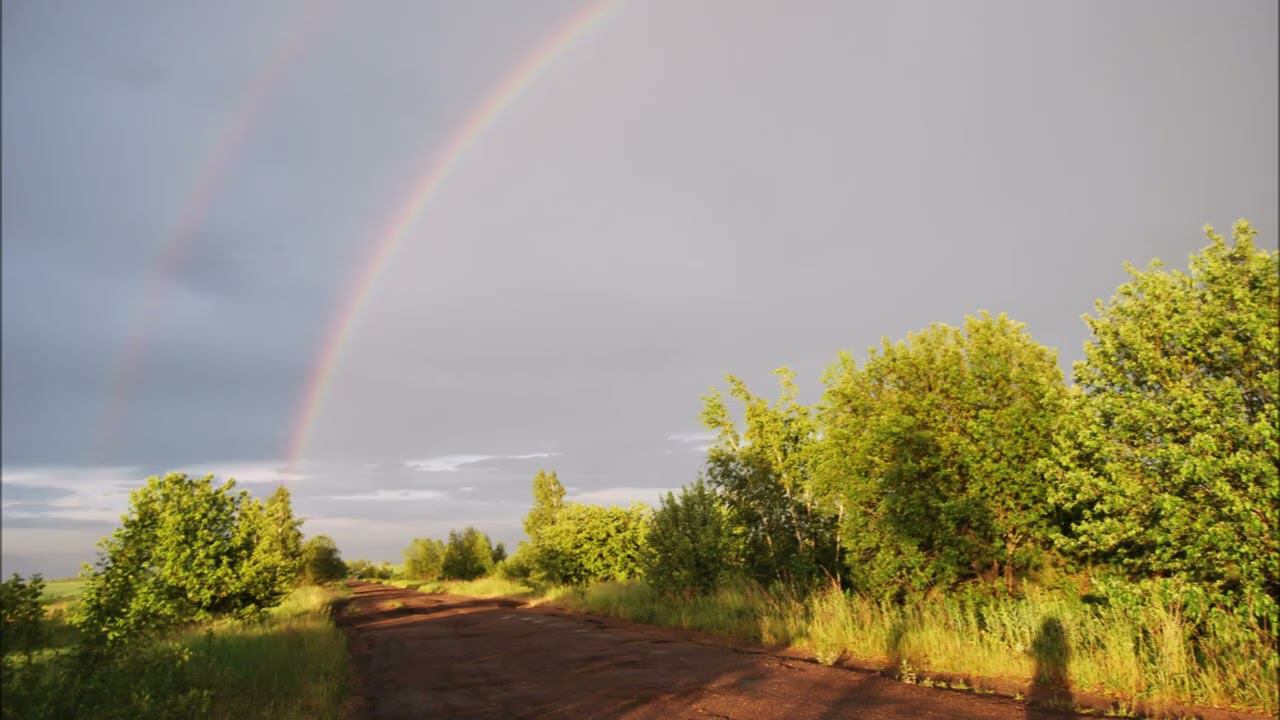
x=687 y=189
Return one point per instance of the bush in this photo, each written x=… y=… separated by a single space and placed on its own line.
x=930 y=452
x=424 y=559
x=188 y=550
x=689 y=541
x=468 y=555
x=321 y=562
x=1168 y=461
x=520 y=565
x=589 y=542
x=22 y=624
x=362 y=569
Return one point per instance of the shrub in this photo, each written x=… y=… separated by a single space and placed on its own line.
x=424 y=559
x=321 y=562
x=187 y=550
x=930 y=454
x=22 y=625
x=1168 y=462
x=589 y=542
x=468 y=555
x=689 y=541
x=362 y=569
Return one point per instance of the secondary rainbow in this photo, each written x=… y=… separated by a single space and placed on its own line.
x=212 y=174
x=408 y=212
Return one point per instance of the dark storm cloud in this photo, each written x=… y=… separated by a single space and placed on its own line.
x=688 y=190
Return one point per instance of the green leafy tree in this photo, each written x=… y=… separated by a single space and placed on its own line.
x=548 y=500
x=930 y=455
x=467 y=555
x=520 y=565
x=499 y=553
x=424 y=559
x=1168 y=463
x=275 y=564
x=362 y=569
x=764 y=476
x=179 y=555
x=321 y=561
x=589 y=542
x=22 y=623
x=690 y=545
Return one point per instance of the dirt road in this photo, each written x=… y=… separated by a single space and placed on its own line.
x=438 y=656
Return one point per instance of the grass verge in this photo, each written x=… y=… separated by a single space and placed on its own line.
x=290 y=664
x=1145 y=651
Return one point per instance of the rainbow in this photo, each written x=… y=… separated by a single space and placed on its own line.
x=408 y=212
x=213 y=172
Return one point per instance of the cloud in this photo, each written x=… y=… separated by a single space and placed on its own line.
x=393 y=495
x=246 y=472
x=699 y=441
x=467 y=489
x=58 y=496
x=451 y=463
x=619 y=495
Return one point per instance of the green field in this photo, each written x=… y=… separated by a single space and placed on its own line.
x=67 y=589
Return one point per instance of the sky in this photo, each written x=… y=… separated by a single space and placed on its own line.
x=660 y=194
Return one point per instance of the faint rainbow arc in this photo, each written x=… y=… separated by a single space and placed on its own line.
x=429 y=182
x=217 y=164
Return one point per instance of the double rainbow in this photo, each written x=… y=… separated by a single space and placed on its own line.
x=410 y=210
x=213 y=172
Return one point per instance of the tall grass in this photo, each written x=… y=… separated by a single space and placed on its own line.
x=1144 y=650
x=290 y=664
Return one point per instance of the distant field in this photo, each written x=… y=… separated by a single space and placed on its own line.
x=55 y=590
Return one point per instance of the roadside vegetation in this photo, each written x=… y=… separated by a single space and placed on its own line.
x=952 y=505
x=205 y=602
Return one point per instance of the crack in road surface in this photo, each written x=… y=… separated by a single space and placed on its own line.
x=441 y=656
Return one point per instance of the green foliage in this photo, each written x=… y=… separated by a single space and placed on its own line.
x=1151 y=641
x=764 y=474
x=361 y=569
x=275 y=565
x=589 y=542
x=321 y=561
x=690 y=546
x=468 y=555
x=499 y=553
x=520 y=565
x=289 y=665
x=930 y=455
x=1168 y=461
x=548 y=499
x=22 y=623
x=424 y=559
x=188 y=550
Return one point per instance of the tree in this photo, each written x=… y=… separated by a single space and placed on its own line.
x=589 y=542
x=930 y=453
x=690 y=547
x=1168 y=462
x=548 y=500
x=22 y=623
x=179 y=555
x=764 y=476
x=424 y=559
x=468 y=554
x=276 y=561
x=499 y=553
x=321 y=561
